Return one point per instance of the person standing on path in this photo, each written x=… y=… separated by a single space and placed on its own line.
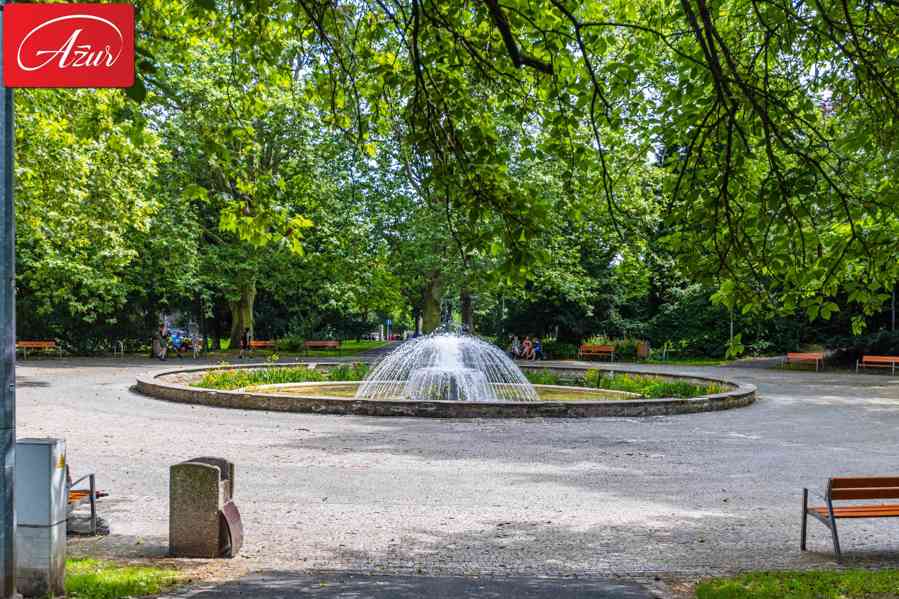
x=160 y=342
x=245 y=343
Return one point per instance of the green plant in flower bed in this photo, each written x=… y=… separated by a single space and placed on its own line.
x=843 y=584
x=348 y=372
x=545 y=377
x=646 y=385
x=649 y=386
x=238 y=378
x=559 y=350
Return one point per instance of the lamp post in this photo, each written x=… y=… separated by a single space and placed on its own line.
x=7 y=343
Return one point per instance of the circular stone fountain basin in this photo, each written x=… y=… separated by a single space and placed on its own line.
x=553 y=401
x=347 y=390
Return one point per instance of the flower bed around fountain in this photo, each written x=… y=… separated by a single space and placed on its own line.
x=177 y=385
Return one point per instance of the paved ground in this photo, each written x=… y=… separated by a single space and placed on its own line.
x=283 y=585
x=685 y=495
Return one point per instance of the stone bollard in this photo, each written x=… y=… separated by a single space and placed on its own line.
x=203 y=519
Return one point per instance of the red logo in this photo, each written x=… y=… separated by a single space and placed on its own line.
x=68 y=45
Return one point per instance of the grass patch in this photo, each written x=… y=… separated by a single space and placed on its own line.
x=291 y=348
x=844 y=584
x=347 y=348
x=353 y=345
x=646 y=385
x=95 y=579
x=238 y=378
x=689 y=361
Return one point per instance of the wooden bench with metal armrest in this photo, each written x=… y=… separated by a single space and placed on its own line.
x=322 y=344
x=37 y=345
x=804 y=358
x=89 y=495
x=261 y=344
x=856 y=488
x=878 y=362
x=591 y=350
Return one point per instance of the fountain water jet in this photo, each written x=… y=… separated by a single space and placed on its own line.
x=447 y=366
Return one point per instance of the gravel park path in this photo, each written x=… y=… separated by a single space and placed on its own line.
x=670 y=496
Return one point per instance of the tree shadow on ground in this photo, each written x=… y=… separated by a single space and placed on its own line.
x=118 y=546
x=681 y=547
x=342 y=585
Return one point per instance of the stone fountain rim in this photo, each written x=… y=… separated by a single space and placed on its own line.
x=154 y=385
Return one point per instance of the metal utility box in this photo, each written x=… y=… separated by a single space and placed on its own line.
x=41 y=501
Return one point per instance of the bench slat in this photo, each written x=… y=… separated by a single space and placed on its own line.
x=805 y=356
x=861 y=482
x=321 y=344
x=869 y=493
x=588 y=349
x=36 y=344
x=880 y=359
x=78 y=496
x=868 y=511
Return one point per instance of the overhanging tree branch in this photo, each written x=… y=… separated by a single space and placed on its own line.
x=519 y=58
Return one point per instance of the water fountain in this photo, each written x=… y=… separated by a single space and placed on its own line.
x=448 y=375
x=447 y=366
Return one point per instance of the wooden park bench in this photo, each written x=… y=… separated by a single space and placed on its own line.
x=80 y=496
x=588 y=350
x=37 y=345
x=324 y=344
x=877 y=362
x=851 y=489
x=257 y=344
x=804 y=358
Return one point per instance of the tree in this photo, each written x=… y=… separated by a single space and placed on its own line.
x=87 y=204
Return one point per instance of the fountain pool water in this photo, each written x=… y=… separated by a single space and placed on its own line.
x=447 y=366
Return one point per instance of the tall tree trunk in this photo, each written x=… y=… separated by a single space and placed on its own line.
x=216 y=326
x=242 y=313
x=467 y=310
x=430 y=311
x=416 y=318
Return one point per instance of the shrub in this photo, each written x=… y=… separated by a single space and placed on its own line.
x=348 y=372
x=850 y=349
x=626 y=349
x=543 y=377
x=559 y=350
x=293 y=343
x=649 y=386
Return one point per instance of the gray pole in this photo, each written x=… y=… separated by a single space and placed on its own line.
x=7 y=345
